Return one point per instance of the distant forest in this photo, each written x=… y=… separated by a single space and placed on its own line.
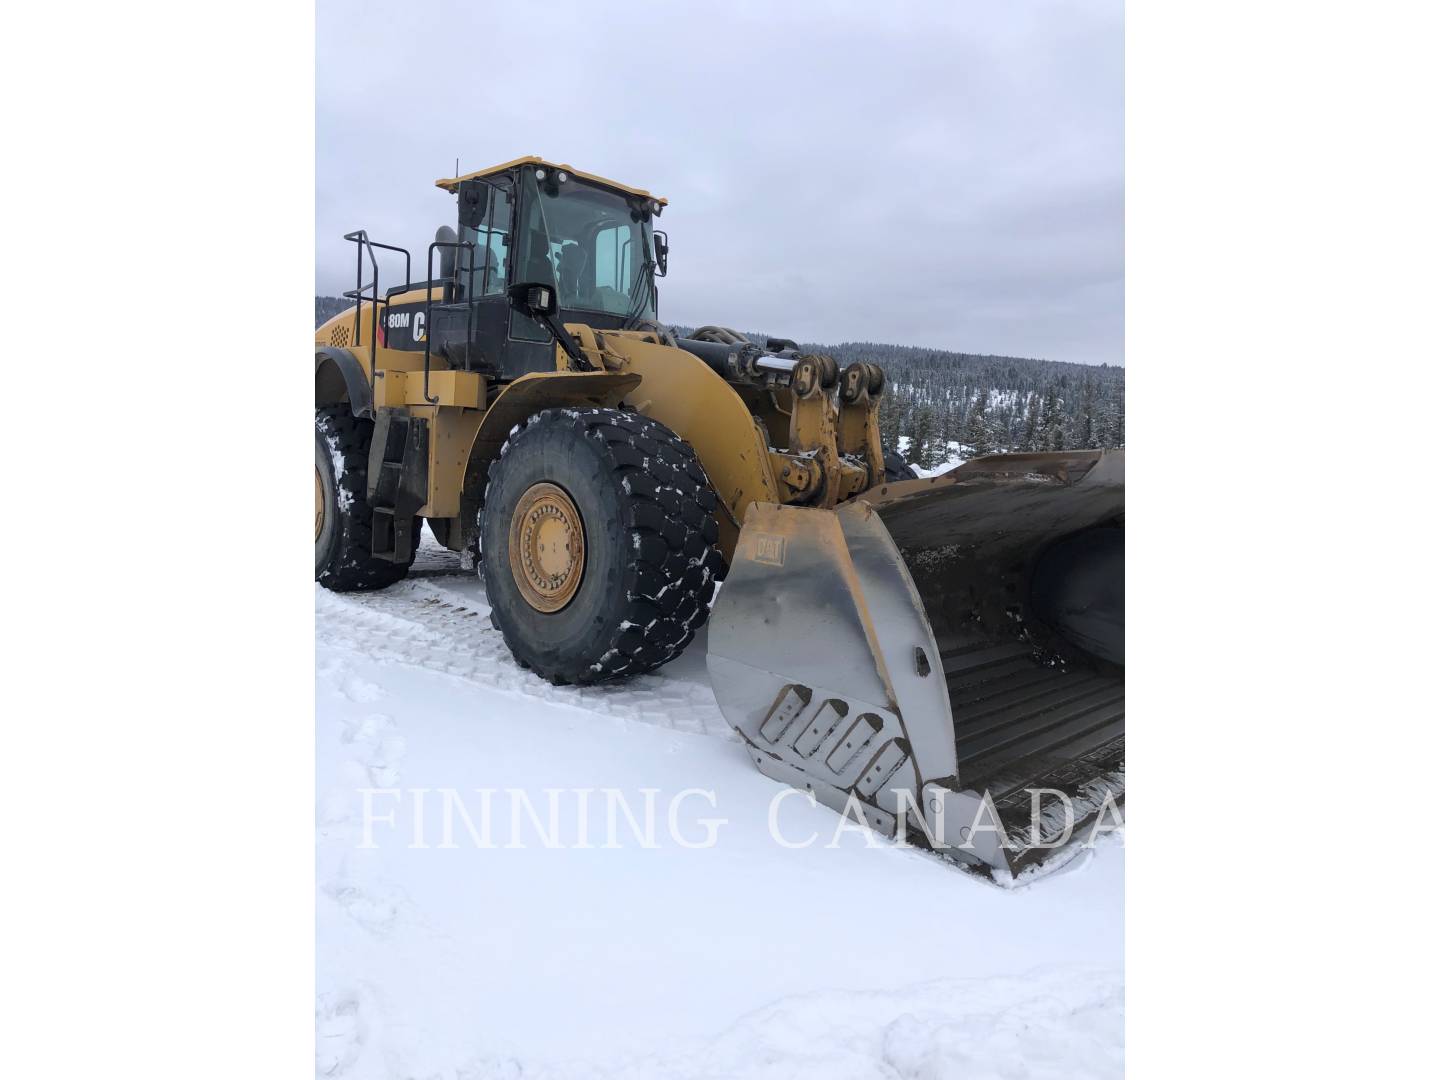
x=980 y=404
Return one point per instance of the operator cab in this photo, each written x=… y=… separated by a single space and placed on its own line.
x=536 y=223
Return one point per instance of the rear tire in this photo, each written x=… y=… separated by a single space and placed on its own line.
x=620 y=502
x=343 y=518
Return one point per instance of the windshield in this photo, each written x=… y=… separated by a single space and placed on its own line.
x=586 y=241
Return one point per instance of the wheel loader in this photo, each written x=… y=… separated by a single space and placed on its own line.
x=941 y=656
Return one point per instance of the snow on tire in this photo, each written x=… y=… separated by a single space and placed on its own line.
x=650 y=560
x=342 y=536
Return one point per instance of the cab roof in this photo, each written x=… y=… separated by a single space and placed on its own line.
x=453 y=183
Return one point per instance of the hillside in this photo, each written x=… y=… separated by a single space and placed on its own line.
x=944 y=405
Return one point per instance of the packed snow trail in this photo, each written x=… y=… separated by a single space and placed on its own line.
x=438 y=619
x=743 y=959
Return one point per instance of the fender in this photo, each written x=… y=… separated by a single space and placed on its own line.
x=339 y=376
x=516 y=403
x=683 y=393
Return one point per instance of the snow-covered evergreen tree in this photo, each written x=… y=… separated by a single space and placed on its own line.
x=924 y=434
x=977 y=427
x=1032 y=423
x=889 y=416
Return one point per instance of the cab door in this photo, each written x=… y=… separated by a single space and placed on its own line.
x=481 y=312
x=476 y=329
x=503 y=340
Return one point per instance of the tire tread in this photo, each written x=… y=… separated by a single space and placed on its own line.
x=352 y=568
x=673 y=536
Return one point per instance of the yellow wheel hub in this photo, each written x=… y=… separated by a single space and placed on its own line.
x=547 y=547
x=319 y=504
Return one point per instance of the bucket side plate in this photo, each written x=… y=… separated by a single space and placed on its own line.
x=821 y=658
x=891 y=652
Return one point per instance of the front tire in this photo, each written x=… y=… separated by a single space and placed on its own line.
x=342 y=513
x=600 y=544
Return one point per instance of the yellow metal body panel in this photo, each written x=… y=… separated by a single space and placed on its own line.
x=452 y=434
x=330 y=334
x=418 y=296
x=453 y=183
x=681 y=392
x=463 y=389
x=529 y=394
x=464 y=441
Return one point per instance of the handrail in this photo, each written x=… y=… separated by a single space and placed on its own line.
x=365 y=246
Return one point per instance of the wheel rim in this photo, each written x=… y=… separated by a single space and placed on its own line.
x=547 y=547
x=319 y=504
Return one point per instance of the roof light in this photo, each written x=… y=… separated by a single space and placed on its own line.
x=654 y=206
x=562 y=176
x=539 y=174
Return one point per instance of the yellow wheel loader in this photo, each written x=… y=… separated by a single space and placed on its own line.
x=943 y=656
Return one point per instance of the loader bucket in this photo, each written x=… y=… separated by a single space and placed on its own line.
x=942 y=655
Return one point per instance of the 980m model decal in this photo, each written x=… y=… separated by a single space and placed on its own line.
x=403 y=327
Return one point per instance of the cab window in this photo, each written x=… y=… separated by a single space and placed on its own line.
x=590 y=243
x=613 y=247
x=492 y=246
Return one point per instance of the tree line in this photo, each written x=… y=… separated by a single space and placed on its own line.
x=939 y=404
x=950 y=404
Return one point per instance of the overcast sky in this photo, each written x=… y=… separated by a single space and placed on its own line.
x=948 y=174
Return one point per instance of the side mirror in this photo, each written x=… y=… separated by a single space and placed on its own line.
x=533 y=298
x=662 y=252
x=474 y=201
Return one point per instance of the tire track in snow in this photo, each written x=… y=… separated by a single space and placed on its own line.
x=421 y=623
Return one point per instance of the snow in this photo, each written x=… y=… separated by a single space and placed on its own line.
x=337 y=464
x=627 y=952
x=956 y=454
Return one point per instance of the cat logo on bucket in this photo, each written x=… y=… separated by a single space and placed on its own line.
x=770 y=549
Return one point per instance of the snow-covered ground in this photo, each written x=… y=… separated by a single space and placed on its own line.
x=843 y=957
x=955 y=454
